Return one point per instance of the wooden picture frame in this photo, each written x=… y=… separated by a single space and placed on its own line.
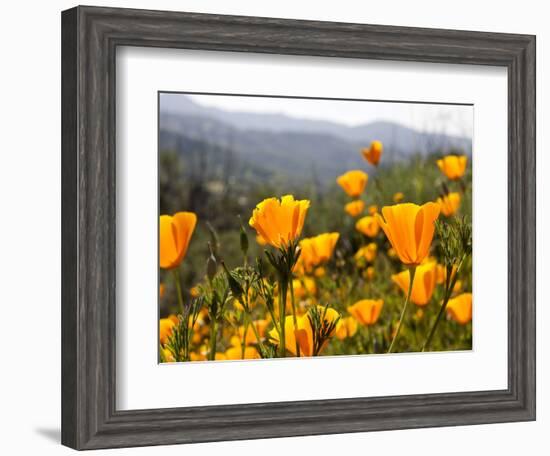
x=90 y=37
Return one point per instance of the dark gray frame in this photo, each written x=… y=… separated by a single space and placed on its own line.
x=90 y=36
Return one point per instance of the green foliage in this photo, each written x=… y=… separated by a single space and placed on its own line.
x=454 y=240
x=323 y=328
x=179 y=342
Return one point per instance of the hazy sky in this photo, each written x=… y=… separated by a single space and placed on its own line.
x=449 y=119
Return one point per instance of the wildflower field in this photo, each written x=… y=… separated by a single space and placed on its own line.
x=378 y=261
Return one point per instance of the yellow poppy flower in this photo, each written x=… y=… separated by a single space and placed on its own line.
x=373 y=153
x=346 y=327
x=234 y=352
x=369 y=273
x=367 y=253
x=220 y=357
x=302 y=287
x=174 y=235
x=449 y=203
x=366 y=311
x=353 y=182
x=317 y=250
x=368 y=225
x=302 y=323
x=303 y=333
x=166 y=326
x=398 y=197
x=453 y=166
x=423 y=285
x=195 y=292
x=410 y=229
x=319 y=272
x=299 y=268
x=460 y=308
x=168 y=357
x=458 y=286
x=260 y=240
x=373 y=209
x=196 y=338
x=354 y=208
x=194 y=356
x=279 y=222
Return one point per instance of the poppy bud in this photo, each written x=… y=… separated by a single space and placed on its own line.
x=234 y=285
x=211 y=265
x=243 y=239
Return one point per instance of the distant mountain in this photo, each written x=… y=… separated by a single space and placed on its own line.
x=392 y=134
x=277 y=143
x=250 y=120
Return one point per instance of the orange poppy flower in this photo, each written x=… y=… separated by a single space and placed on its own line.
x=424 y=283
x=303 y=333
x=460 y=308
x=368 y=225
x=453 y=166
x=367 y=311
x=353 y=182
x=279 y=222
x=449 y=203
x=410 y=229
x=346 y=327
x=354 y=208
x=174 y=235
x=373 y=153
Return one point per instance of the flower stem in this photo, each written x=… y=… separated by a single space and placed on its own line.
x=275 y=322
x=248 y=319
x=462 y=185
x=282 y=317
x=257 y=335
x=245 y=332
x=294 y=319
x=367 y=338
x=187 y=338
x=176 y=275
x=412 y=271
x=213 y=335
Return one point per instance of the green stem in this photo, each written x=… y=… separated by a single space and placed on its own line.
x=248 y=317
x=282 y=317
x=257 y=335
x=258 y=338
x=176 y=275
x=294 y=319
x=368 y=338
x=378 y=185
x=275 y=322
x=449 y=290
x=245 y=332
x=187 y=338
x=213 y=335
x=462 y=186
x=412 y=271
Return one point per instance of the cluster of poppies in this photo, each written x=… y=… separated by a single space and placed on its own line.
x=303 y=297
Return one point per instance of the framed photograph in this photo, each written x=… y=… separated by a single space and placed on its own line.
x=279 y=228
